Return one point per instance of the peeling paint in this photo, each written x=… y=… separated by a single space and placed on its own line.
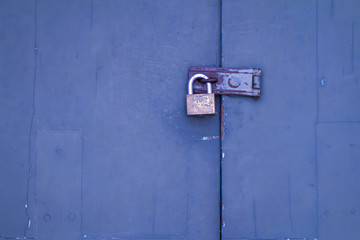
x=206 y=138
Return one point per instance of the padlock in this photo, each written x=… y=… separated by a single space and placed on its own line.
x=200 y=104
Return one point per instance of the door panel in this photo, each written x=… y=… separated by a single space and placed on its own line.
x=58 y=183
x=289 y=166
x=113 y=153
x=16 y=86
x=338 y=154
x=269 y=168
x=337 y=130
x=339 y=61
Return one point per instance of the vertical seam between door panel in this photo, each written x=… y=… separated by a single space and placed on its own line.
x=221 y=116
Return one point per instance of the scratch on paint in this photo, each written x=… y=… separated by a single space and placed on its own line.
x=352 y=45
x=289 y=203
x=11 y=238
x=92 y=13
x=206 y=138
x=254 y=217
x=222 y=121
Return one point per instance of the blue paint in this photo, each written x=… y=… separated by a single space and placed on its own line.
x=95 y=141
x=296 y=158
x=94 y=133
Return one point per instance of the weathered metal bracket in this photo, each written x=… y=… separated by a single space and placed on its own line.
x=231 y=81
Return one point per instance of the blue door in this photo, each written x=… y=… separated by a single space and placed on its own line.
x=95 y=142
x=291 y=159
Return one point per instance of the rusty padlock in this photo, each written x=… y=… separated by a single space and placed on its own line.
x=200 y=104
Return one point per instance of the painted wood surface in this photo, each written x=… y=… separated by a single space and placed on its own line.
x=290 y=158
x=95 y=140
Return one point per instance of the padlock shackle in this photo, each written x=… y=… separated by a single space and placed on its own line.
x=192 y=80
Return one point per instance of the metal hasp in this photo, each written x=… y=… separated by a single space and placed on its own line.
x=231 y=81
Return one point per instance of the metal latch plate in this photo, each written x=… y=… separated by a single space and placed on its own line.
x=231 y=81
